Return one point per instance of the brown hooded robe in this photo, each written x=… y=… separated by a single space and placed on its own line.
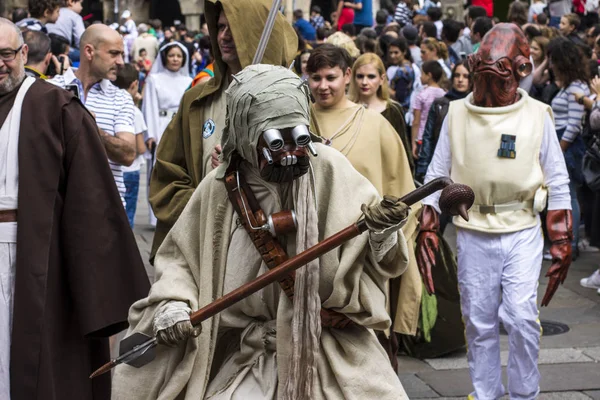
x=183 y=151
x=78 y=267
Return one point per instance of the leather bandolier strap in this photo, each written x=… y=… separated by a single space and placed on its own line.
x=269 y=248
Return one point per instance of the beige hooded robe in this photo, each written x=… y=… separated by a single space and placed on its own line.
x=248 y=345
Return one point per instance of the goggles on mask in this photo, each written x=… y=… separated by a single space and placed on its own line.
x=281 y=162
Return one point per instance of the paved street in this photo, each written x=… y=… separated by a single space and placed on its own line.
x=569 y=362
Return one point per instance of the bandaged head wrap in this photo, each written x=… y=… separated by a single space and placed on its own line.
x=263 y=97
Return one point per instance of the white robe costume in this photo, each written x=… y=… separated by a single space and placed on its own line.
x=163 y=92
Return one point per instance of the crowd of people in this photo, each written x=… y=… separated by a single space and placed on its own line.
x=378 y=88
x=408 y=38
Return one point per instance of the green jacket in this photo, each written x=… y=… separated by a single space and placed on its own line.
x=179 y=164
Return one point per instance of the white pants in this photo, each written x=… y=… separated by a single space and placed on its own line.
x=8 y=258
x=498 y=279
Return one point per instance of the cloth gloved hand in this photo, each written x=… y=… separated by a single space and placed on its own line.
x=428 y=245
x=384 y=219
x=559 y=224
x=172 y=324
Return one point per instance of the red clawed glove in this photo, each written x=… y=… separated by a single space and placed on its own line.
x=428 y=245
x=559 y=224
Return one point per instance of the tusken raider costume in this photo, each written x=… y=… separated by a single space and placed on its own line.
x=270 y=199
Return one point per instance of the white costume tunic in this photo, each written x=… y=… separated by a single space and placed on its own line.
x=498 y=275
x=163 y=92
x=9 y=186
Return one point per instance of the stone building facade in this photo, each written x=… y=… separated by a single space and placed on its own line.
x=192 y=9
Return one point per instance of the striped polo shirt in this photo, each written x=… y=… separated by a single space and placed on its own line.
x=568 y=113
x=113 y=108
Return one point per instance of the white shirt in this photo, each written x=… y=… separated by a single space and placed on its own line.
x=140 y=129
x=68 y=25
x=113 y=108
x=556 y=178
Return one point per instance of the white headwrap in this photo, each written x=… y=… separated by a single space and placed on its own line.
x=158 y=65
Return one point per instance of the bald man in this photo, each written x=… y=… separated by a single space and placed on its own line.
x=101 y=56
x=69 y=264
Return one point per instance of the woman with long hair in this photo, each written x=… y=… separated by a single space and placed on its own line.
x=571 y=74
x=517 y=13
x=402 y=72
x=540 y=75
x=539 y=48
x=369 y=87
x=462 y=84
x=300 y=63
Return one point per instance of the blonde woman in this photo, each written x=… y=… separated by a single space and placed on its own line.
x=369 y=87
x=434 y=50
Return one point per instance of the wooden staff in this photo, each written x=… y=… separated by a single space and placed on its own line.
x=137 y=350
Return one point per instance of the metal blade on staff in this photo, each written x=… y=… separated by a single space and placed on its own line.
x=138 y=349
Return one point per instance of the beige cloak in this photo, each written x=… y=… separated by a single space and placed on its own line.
x=373 y=147
x=191 y=266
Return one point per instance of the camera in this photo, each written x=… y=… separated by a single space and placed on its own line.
x=51 y=71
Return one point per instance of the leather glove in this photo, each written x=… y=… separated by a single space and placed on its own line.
x=172 y=324
x=386 y=217
x=428 y=245
x=559 y=224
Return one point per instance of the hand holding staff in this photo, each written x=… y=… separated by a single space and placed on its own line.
x=137 y=350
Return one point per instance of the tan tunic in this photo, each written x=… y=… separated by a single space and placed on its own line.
x=373 y=147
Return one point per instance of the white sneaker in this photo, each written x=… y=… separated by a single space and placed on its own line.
x=584 y=246
x=592 y=281
x=547 y=255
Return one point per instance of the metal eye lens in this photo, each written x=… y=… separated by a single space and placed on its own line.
x=301 y=135
x=274 y=139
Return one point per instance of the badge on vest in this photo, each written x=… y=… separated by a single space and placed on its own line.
x=507 y=147
x=208 y=129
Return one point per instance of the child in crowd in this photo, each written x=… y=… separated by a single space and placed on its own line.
x=316 y=19
x=401 y=72
x=127 y=79
x=535 y=9
x=431 y=74
x=144 y=65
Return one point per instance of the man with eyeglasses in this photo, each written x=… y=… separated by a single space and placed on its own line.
x=69 y=264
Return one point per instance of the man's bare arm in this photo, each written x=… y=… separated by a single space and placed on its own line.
x=119 y=148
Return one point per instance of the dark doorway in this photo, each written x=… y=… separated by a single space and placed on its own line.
x=327 y=7
x=93 y=11
x=167 y=11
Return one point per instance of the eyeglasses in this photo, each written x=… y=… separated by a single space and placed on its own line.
x=9 y=54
